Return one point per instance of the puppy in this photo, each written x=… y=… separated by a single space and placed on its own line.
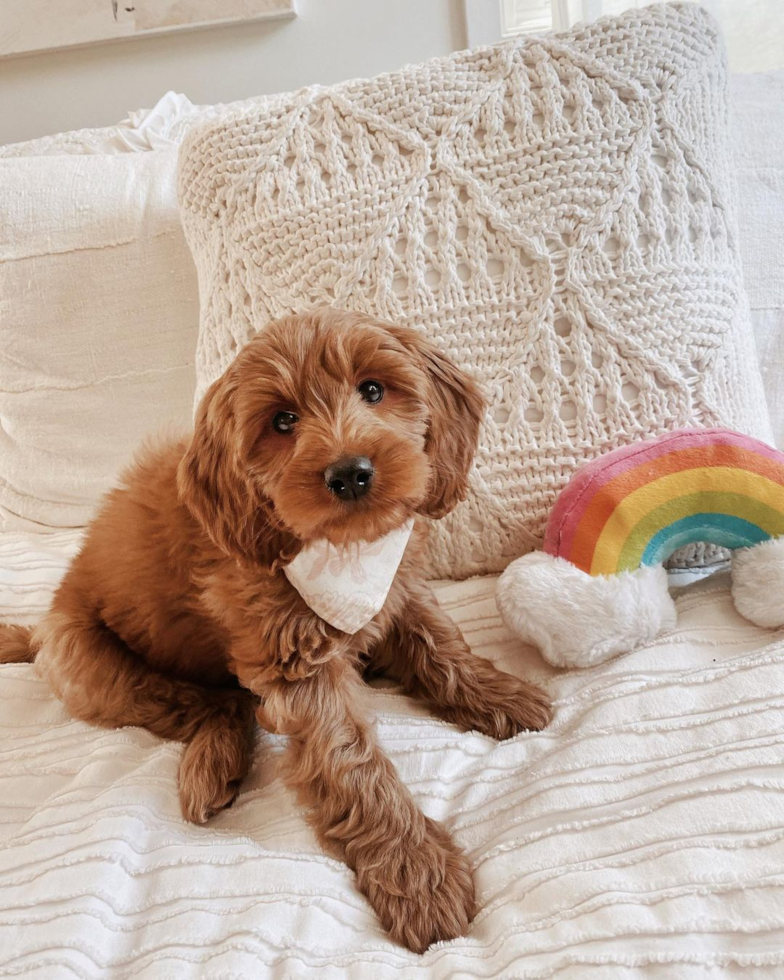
x=177 y=616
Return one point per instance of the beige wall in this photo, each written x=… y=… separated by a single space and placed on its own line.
x=330 y=40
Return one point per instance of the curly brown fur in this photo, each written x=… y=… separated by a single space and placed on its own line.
x=176 y=615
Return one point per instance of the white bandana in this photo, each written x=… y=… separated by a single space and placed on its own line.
x=347 y=586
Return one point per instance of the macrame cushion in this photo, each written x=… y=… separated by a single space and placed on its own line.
x=554 y=212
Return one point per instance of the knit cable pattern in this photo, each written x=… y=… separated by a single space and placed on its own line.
x=553 y=211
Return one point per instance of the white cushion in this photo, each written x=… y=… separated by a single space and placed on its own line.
x=98 y=323
x=552 y=211
x=99 y=309
x=758 y=149
x=144 y=129
x=640 y=835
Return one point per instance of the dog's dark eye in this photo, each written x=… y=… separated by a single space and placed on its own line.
x=371 y=391
x=284 y=422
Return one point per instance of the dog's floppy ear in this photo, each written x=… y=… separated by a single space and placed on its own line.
x=456 y=409
x=214 y=486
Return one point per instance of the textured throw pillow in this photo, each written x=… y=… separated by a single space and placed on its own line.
x=98 y=325
x=554 y=212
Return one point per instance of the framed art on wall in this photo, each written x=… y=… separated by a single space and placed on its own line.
x=39 y=25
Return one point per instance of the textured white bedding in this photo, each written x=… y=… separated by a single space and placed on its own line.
x=641 y=835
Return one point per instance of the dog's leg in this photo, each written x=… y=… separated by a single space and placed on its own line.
x=103 y=682
x=426 y=652
x=416 y=879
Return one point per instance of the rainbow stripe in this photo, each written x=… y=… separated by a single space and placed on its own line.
x=636 y=505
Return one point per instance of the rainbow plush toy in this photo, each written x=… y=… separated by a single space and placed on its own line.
x=598 y=588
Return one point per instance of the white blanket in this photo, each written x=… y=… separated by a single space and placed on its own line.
x=641 y=834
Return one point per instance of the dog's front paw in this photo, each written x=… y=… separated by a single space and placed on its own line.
x=502 y=713
x=528 y=709
x=426 y=895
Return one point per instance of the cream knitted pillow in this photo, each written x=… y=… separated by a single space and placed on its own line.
x=553 y=211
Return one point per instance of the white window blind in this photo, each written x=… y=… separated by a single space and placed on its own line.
x=753 y=29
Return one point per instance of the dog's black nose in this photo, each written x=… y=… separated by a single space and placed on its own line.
x=350 y=477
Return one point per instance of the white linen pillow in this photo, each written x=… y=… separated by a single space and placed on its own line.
x=142 y=130
x=758 y=171
x=554 y=212
x=98 y=324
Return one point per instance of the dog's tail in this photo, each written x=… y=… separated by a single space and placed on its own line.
x=16 y=644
